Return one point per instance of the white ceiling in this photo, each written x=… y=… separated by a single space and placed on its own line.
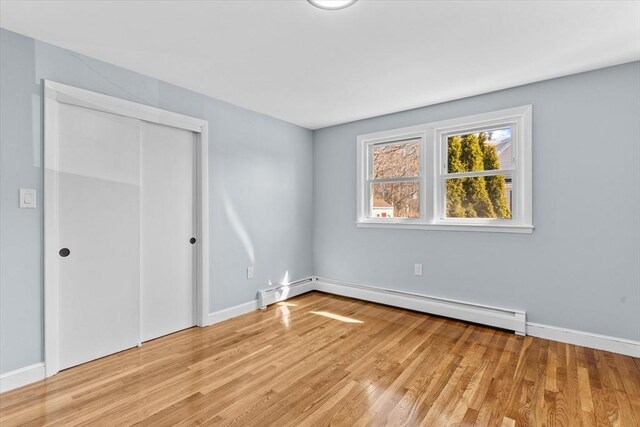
x=317 y=68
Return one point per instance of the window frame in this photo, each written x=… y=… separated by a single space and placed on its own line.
x=433 y=172
x=365 y=173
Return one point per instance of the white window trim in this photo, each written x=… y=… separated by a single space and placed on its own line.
x=433 y=167
x=365 y=165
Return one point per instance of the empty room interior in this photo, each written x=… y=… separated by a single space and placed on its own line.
x=320 y=212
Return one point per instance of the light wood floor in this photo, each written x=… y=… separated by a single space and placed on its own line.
x=319 y=359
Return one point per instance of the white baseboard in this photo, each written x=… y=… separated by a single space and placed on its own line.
x=505 y=318
x=22 y=376
x=236 y=310
x=585 y=339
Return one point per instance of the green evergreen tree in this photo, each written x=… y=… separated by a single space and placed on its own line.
x=474 y=197
x=496 y=185
x=455 y=188
x=477 y=202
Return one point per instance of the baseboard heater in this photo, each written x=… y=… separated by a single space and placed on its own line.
x=510 y=319
x=282 y=292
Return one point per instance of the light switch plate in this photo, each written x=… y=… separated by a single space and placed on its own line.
x=27 y=198
x=250 y=273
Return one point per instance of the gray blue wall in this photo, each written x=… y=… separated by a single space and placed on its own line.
x=283 y=199
x=260 y=186
x=580 y=268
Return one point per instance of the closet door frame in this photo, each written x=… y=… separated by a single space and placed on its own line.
x=54 y=95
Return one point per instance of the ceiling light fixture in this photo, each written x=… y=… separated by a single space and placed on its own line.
x=332 y=4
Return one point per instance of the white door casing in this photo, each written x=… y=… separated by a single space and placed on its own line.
x=94 y=183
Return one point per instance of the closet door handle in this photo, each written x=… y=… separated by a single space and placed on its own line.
x=64 y=252
x=192 y=240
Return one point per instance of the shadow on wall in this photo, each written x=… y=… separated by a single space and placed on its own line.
x=237 y=226
x=241 y=231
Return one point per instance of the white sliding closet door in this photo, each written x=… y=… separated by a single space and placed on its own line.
x=99 y=234
x=168 y=292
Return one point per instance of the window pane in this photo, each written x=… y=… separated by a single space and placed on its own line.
x=395 y=200
x=479 y=197
x=397 y=160
x=479 y=151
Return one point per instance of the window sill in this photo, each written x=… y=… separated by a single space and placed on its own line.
x=487 y=228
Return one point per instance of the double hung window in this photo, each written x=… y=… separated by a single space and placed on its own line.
x=469 y=173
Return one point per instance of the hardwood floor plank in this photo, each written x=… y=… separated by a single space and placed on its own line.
x=319 y=359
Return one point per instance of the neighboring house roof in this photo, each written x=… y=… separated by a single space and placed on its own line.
x=381 y=203
x=503 y=149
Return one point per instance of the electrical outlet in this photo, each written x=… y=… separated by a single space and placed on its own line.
x=250 y=273
x=417 y=269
